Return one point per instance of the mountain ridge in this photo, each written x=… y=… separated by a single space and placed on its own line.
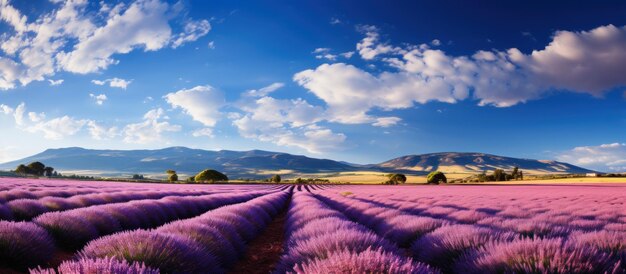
x=257 y=163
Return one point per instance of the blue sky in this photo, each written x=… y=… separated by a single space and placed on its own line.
x=360 y=81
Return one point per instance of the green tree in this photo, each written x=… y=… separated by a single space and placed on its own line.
x=398 y=178
x=22 y=169
x=170 y=171
x=37 y=168
x=499 y=175
x=173 y=177
x=515 y=173
x=275 y=179
x=436 y=177
x=210 y=175
x=48 y=171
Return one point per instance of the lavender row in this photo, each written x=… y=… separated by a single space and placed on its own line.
x=464 y=248
x=72 y=229
x=209 y=243
x=26 y=209
x=322 y=240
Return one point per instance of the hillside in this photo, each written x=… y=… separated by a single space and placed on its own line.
x=182 y=159
x=259 y=164
x=475 y=162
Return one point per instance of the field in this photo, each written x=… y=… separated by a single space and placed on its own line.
x=56 y=226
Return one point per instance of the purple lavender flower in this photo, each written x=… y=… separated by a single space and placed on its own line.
x=368 y=261
x=535 y=256
x=167 y=252
x=98 y=265
x=24 y=244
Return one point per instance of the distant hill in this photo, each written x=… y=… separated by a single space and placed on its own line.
x=259 y=163
x=453 y=162
x=182 y=159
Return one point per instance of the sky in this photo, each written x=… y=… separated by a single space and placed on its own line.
x=357 y=81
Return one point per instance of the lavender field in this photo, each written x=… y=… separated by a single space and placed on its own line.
x=56 y=226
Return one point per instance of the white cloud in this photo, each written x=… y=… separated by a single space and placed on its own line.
x=100 y=98
x=119 y=83
x=150 y=130
x=321 y=50
x=57 y=128
x=36 y=117
x=143 y=24
x=55 y=82
x=285 y=123
x=113 y=82
x=202 y=103
x=606 y=157
x=99 y=132
x=370 y=46
x=588 y=61
x=435 y=42
x=347 y=54
x=335 y=21
x=18 y=114
x=193 y=30
x=72 y=38
x=386 y=121
x=203 y=132
x=211 y=45
x=10 y=71
x=265 y=90
x=6 y=109
x=313 y=139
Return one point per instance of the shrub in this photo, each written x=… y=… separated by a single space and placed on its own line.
x=210 y=175
x=99 y=265
x=68 y=230
x=173 y=177
x=167 y=252
x=208 y=236
x=275 y=179
x=368 y=261
x=24 y=244
x=398 y=178
x=535 y=255
x=436 y=177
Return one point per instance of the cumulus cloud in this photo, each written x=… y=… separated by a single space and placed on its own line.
x=586 y=61
x=72 y=38
x=605 y=157
x=36 y=117
x=58 y=128
x=100 y=98
x=54 y=129
x=6 y=109
x=150 y=130
x=202 y=103
x=99 y=132
x=113 y=82
x=285 y=122
x=193 y=30
x=264 y=90
x=203 y=132
x=55 y=82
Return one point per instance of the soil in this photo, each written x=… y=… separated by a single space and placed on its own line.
x=264 y=251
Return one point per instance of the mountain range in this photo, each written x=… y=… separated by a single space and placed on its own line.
x=259 y=163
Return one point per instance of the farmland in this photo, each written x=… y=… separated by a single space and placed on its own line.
x=57 y=226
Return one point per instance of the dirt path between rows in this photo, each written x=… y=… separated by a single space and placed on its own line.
x=264 y=251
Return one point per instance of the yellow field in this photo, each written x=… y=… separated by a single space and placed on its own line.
x=372 y=177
